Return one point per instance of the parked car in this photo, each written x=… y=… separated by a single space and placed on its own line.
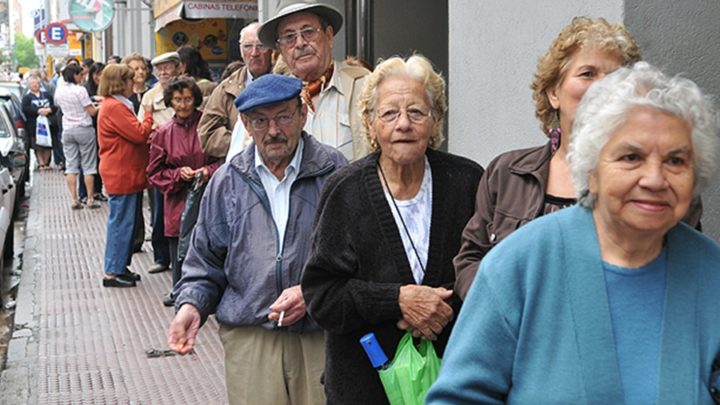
x=8 y=191
x=13 y=153
x=13 y=174
x=10 y=96
x=14 y=87
x=13 y=105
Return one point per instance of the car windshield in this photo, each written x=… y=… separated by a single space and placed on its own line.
x=4 y=122
x=12 y=87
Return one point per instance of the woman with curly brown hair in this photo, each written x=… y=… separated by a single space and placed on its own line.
x=524 y=184
x=521 y=185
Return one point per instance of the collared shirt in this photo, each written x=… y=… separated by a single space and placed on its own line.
x=330 y=122
x=124 y=100
x=239 y=140
x=278 y=191
x=73 y=99
x=248 y=77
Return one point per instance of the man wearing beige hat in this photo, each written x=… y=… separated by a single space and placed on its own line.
x=303 y=32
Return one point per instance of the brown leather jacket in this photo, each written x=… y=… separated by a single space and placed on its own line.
x=220 y=115
x=511 y=193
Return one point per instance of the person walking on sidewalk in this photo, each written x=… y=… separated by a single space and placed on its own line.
x=167 y=66
x=123 y=159
x=175 y=160
x=78 y=133
x=248 y=250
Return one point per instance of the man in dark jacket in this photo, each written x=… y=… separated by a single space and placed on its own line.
x=249 y=248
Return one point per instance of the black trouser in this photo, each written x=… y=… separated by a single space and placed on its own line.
x=176 y=273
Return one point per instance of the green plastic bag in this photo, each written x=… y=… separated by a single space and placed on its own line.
x=411 y=373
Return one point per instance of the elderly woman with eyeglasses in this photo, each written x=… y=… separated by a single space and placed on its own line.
x=387 y=228
x=176 y=159
x=624 y=310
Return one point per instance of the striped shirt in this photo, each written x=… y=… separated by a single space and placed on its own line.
x=73 y=99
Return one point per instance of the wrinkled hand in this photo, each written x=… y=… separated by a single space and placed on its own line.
x=186 y=173
x=292 y=302
x=184 y=329
x=424 y=310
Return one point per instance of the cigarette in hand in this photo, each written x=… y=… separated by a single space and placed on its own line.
x=282 y=315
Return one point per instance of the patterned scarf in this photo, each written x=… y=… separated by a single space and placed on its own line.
x=311 y=89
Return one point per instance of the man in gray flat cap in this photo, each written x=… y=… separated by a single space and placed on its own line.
x=248 y=250
x=167 y=67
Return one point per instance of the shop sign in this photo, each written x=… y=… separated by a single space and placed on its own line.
x=221 y=9
x=91 y=15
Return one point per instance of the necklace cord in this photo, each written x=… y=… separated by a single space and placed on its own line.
x=407 y=232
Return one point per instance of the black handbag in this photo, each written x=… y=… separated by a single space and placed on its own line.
x=189 y=216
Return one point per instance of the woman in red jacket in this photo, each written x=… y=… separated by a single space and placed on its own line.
x=176 y=158
x=123 y=159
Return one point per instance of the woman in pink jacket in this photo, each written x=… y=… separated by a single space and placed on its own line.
x=176 y=158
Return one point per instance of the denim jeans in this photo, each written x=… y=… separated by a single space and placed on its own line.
x=120 y=229
x=161 y=247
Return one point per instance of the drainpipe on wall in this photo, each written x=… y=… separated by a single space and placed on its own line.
x=149 y=5
x=120 y=18
x=364 y=31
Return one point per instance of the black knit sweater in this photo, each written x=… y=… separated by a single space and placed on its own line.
x=358 y=263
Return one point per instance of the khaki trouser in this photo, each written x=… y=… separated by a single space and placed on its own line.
x=273 y=367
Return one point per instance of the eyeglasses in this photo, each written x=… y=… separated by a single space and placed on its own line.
x=414 y=114
x=183 y=100
x=250 y=47
x=309 y=34
x=281 y=120
x=165 y=67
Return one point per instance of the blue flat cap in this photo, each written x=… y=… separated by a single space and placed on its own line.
x=268 y=89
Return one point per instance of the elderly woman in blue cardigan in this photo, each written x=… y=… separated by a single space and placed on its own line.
x=614 y=300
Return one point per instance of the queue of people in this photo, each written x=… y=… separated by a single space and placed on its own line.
x=573 y=272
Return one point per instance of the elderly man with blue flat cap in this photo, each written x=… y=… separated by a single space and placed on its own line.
x=248 y=251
